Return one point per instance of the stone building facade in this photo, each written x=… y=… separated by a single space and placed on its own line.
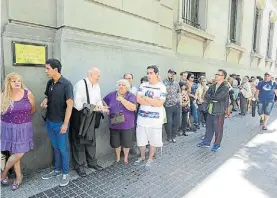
x=120 y=36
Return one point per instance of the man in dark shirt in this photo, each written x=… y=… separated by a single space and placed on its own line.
x=217 y=97
x=59 y=103
x=172 y=106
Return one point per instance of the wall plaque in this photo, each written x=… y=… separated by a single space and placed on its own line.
x=29 y=54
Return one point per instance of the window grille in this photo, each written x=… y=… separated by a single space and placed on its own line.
x=190 y=13
x=255 y=39
x=233 y=22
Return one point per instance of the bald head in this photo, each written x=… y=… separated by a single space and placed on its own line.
x=94 y=75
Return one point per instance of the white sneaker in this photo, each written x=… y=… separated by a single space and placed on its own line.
x=64 y=180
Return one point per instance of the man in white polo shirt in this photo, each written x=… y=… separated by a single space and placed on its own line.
x=151 y=97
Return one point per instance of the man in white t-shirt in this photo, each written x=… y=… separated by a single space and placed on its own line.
x=151 y=97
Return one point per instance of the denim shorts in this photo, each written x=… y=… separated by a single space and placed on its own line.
x=265 y=107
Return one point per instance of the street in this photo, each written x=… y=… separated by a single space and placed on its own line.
x=246 y=166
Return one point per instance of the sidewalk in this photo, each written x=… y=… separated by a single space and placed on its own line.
x=246 y=166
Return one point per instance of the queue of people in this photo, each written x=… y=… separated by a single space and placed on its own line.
x=73 y=114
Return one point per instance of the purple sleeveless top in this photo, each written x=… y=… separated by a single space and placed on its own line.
x=20 y=112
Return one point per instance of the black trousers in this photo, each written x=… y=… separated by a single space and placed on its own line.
x=173 y=115
x=82 y=153
x=214 y=126
x=243 y=104
x=185 y=121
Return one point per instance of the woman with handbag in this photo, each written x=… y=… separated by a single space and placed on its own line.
x=202 y=104
x=122 y=105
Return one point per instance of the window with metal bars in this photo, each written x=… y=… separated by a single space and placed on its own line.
x=256 y=29
x=191 y=13
x=269 y=38
x=233 y=22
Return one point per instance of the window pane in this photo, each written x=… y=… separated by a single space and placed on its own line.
x=233 y=22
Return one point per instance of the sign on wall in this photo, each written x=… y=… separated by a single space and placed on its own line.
x=29 y=54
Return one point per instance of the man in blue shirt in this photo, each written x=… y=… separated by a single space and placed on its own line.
x=265 y=94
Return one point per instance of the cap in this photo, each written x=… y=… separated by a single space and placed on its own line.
x=267 y=73
x=171 y=71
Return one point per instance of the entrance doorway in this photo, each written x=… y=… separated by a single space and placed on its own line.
x=197 y=75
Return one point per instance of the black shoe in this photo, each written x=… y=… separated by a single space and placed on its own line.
x=81 y=172
x=185 y=134
x=173 y=141
x=243 y=114
x=96 y=167
x=169 y=140
x=264 y=128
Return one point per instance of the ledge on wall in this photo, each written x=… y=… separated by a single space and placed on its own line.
x=183 y=29
x=269 y=62
x=258 y=56
x=235 y=47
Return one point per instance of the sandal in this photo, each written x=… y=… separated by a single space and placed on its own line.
x=126 y=162
x=5 y=181
x=264 y=128
x=15 y=186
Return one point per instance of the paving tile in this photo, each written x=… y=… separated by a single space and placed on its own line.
x=178 y=170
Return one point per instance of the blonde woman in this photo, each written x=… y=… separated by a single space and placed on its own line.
x=17 y=107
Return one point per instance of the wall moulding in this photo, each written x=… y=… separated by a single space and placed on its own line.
x=261 y=4
x=257 y=56
x=189 y=31
x=233 y=47
x=273 y=17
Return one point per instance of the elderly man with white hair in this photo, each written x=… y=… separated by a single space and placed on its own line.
x=87 y=102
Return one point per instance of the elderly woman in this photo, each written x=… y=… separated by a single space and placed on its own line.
x=17 y=107
x=122 y=105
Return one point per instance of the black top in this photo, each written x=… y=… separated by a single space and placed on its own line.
x=58 y=93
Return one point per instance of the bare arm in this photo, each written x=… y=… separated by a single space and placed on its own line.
x=154 y=102
x=141 y=100
x=31 y=99
x=68 y=111
x=129 y=105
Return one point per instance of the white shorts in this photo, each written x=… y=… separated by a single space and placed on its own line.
x=151 y=135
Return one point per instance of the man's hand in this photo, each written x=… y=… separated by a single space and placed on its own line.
x=44 y=103
x=64 y=128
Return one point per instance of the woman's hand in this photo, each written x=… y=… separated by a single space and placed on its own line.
x=44 y=103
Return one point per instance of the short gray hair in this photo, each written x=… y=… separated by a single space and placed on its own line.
x=125 y=82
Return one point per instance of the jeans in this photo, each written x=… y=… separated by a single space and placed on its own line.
x=173 y=120
x=60 y=146
x=194 y=111
x=265 y=107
